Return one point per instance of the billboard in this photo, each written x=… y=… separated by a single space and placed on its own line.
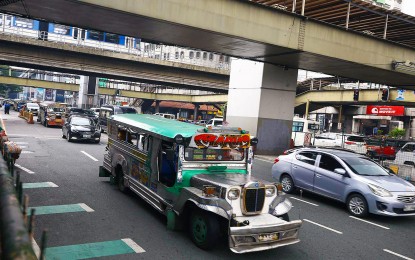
x=385 y=110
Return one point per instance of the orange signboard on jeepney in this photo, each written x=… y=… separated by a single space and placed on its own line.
x=220 y=141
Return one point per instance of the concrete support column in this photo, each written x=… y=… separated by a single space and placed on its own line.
x=195 y=112
x=88 y=92
x=157 y=107
x=261 y=100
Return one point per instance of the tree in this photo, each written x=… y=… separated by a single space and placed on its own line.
x=397 y=133
x=6 y=89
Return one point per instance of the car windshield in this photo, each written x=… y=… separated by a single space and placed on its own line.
x=32 y=105
x=80 y=121
x=194 y=154
x=364 y=166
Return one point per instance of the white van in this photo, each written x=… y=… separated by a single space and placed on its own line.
x=406 y=155
x=217 y=121
x=168 y=116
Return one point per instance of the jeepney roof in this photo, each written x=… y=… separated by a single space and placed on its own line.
x=158 y=125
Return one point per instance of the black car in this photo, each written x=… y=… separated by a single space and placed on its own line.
x=81 y=128
x=82 y=112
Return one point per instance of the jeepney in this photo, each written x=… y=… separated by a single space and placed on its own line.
x=200 y=178
x=51 y=113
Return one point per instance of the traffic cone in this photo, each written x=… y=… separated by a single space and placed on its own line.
x=30 y=119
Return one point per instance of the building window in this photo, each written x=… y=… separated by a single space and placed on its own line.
x=210 y=56
x=191 y=55
x=198 y=55
x=204 y=55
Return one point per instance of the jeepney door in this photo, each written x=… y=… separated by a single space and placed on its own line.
x=167 y=163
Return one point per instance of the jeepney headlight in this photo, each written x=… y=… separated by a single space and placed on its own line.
x=270 y=190
x=280 y=205
x=233 y=194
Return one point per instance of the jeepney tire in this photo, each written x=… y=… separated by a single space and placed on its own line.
x=120 y=182
x=287 y=183
x=68 y=136
x=285 y=217
x=204 y=229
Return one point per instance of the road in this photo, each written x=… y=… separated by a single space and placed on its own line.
x=87 y=217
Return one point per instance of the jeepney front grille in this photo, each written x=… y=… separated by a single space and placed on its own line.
x=253 y=200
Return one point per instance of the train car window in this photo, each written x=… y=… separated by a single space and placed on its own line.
x=62 y=29
x=95 y=35
x=112 y=38
x=205 y=55
x=210 y=56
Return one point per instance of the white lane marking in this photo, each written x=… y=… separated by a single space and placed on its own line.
x=401 y=256
x=26 y=152
x=85 y=207
x=264 y=160
x=24 y=169
x=21 y=143
x=90 y=156
x=36 y=248
x=138 y=249
x=304 y=201
x=22 y=146
x=317 y=224
x=52 y=185
x=369 y=222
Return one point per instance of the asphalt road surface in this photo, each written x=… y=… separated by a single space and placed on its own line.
x=87 y=217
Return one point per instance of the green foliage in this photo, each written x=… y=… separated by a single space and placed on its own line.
x=397 y=132
x=380 y=132
x=6 y=89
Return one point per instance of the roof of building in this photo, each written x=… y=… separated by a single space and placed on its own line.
x=158 y=125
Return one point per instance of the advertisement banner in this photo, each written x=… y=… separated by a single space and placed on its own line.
x=40 y=92
x=385 y=110
x=48 y=94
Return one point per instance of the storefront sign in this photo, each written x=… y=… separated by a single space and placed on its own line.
x=385 y=110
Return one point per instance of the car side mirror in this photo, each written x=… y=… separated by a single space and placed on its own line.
x=340 y=171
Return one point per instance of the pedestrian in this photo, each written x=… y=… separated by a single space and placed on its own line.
x=7 y=108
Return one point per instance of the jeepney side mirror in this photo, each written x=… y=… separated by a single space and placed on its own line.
x=170 y=154
x=254 y=141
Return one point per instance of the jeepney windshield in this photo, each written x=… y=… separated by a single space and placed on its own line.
x=56 y=109
x=195 y=154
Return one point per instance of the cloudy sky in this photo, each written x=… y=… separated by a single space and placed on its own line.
x=408 y=7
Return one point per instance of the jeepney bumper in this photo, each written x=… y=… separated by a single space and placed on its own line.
x=264 y=232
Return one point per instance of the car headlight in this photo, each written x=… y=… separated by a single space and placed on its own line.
x=379 y=191
x=233 y=194
x=269 y=190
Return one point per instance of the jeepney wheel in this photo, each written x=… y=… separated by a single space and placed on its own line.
x=68 y=136
x=287 y=183
x=204 y=229
x=120 y=181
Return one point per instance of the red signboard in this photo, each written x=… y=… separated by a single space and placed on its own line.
x=385 y=110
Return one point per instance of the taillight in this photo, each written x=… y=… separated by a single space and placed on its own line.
x=276 y=160
x=349 y=142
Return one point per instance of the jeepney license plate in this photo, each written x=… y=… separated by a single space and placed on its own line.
x=268 y=237
x=58 y=120
x=87 y=136
x=409 y=208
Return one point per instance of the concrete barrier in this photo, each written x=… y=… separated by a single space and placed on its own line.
x=28 y=116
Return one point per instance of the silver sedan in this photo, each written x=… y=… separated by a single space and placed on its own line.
x=365 y=186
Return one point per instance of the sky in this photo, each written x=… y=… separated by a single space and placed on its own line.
x=408 y=7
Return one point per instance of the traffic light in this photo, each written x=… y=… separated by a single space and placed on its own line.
x=356 y=95
x=385 y=94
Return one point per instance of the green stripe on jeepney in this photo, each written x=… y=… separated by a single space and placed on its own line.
x=188 y=174
x=158 y=125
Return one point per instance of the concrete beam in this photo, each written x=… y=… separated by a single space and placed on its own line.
x=366 y=96
x=38 y=83
x=33 y=53
x=204 y=99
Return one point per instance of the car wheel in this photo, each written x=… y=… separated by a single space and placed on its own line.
x=287 y=183
x=68 y=136
x=357 y=205
x=97 y=141
x=204 y=229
